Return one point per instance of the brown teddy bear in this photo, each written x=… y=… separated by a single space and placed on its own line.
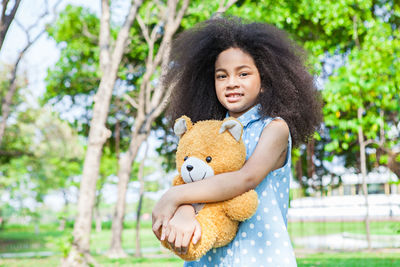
x=207 y=148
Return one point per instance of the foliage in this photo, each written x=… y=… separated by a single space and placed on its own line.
x=370 y=82
x=52 y=157
x=75 y=77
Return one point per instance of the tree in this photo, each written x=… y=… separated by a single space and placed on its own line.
x=110 y=58
x=50 y=157
x=368 y=88
x=149 y=103
x=6 y=101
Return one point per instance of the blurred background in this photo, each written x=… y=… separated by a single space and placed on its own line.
x=85 y=152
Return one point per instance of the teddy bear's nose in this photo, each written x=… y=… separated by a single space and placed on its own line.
x=189 y=167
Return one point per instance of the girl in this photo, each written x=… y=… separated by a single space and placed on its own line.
x=224 y=67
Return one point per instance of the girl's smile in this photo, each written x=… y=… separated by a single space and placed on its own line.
x=237 y=81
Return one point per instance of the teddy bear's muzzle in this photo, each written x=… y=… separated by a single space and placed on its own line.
x=195 y=169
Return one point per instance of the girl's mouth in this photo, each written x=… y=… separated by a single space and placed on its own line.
x=233 y=97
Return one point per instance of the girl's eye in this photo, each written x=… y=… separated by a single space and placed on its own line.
x=185 y=158
x=221 y=76
x=244 y=74
x=208 y=159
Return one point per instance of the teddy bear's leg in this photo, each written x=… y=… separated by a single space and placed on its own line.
x=242 y=207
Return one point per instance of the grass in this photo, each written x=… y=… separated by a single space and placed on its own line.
x=25 y=239
x=48 y=238
x=347 y=259
x=344 y=259
x=297 y=229
x=16 y=238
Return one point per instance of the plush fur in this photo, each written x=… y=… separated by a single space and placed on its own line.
x=222 y=142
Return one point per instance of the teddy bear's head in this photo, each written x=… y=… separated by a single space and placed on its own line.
x=207 y=148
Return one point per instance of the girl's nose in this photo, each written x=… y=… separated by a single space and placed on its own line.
x=232 y=82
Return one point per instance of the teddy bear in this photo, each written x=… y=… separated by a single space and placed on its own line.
x=208 y=148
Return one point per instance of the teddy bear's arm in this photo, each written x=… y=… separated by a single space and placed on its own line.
x=242 y=207
x=177 y=180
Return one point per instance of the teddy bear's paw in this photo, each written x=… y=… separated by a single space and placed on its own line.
x=242 y=207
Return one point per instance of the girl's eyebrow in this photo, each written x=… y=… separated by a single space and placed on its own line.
x=237 y=68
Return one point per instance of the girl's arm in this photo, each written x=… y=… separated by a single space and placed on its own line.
x=269 y=154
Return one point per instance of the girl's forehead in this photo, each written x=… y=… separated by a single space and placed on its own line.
x=234 y=57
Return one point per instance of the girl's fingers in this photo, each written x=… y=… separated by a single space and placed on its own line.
x=178 y=243
x=171 y=237
x=158 y=234
x=197 y=233
x=156 y=225
x=167 y=231
x=185 y=242
x=156 y=230
x=164 y=228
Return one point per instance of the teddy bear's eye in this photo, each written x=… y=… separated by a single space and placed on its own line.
x=185 y=158
x=208 y=159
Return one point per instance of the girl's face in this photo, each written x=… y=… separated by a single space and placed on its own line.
x=237 y=81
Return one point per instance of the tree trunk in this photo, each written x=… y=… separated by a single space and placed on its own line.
x=98 y=134
x=125 y=168
x=98 y=220
x=138 y=251
x=63 y=219
x=87 y=193
x=363 y=165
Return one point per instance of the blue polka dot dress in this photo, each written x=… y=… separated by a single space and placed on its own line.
x=263 y=240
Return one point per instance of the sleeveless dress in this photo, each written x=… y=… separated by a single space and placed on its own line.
x=262 y=240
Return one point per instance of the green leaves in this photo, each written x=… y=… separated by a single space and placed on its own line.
x=368 y=80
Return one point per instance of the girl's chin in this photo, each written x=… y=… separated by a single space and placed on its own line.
x=237 y=112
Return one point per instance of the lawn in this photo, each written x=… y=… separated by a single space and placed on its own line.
x=347 y=259
x=47 y=238
x=17 y=239
x=297 y=229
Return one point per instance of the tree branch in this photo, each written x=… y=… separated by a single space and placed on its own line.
x=144 y=29
x=7 y=101
x=104 y=39
x=355 y=32
x=131 y=101
x=15 y=153
x=5 y=20
x=224 y=7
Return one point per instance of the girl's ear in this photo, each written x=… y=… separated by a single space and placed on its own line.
x=234 y=127
x=182 y=125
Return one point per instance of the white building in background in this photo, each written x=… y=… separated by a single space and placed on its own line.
x=347 y=201
x=381 y=181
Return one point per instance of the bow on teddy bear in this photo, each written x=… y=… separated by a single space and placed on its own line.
x=205 y=149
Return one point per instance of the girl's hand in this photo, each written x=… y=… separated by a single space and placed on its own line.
x=182 y=227
x=163 y=212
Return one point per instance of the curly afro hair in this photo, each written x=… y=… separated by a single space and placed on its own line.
x=289 y=91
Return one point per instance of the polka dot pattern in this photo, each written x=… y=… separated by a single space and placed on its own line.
x=262 y=240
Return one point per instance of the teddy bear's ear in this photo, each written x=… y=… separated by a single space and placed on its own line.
x=182 y=125
x=234 y=127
